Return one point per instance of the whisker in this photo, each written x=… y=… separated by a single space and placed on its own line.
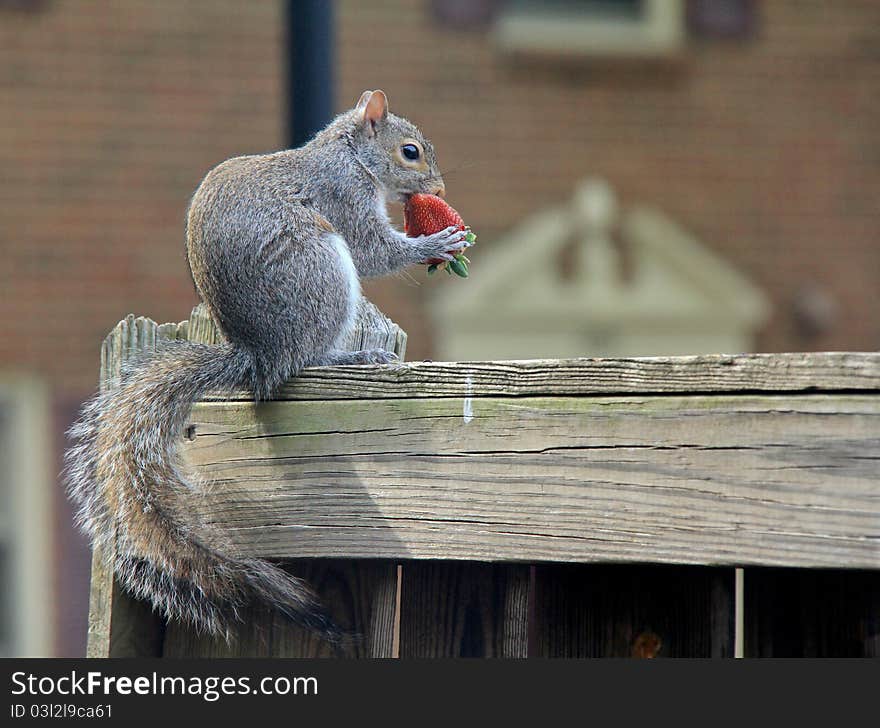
x=464 y=166
x=407 y=278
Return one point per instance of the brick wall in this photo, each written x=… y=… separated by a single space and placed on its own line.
x=112 y=113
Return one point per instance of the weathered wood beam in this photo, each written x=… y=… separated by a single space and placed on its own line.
x=767 y=460
x=717 y=373
x=787 y=479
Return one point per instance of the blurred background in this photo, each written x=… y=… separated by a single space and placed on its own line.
x=645 y=177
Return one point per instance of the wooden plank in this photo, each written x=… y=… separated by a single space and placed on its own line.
x=739 y=480
x=456 y=609
x=812 y=613
x=360 y=596
x=799 y=372
x=120 y=626
x=634 y=611
x=100 y=607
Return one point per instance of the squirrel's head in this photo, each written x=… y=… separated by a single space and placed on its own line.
x=394 y=150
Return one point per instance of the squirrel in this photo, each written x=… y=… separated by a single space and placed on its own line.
x=276 y=244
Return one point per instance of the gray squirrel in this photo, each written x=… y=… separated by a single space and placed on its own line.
x=277 y=244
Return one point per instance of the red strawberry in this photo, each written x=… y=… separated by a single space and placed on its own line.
x=428 y=214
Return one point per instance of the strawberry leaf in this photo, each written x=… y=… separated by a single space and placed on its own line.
x=459 y=268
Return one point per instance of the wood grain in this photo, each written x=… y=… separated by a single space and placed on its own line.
x=633 y=611
x=744 y=373
x=750 y=479
x=453 y=609
x=757 y=460
x=120 y=626
x=359 y=595
x=812 y=613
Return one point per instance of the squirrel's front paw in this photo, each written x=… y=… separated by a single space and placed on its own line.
x=443 y=244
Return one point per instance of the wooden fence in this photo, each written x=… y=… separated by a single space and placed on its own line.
x=679 y=506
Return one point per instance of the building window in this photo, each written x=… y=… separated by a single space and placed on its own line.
x=591 y=28
x=25 y=527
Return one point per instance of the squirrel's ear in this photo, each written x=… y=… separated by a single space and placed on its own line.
x=362 y=101
x=373 y=106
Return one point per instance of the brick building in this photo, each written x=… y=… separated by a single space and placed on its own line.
x=764 y=144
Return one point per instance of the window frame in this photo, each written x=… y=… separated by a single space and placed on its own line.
x=660 y=32
x=27 y=531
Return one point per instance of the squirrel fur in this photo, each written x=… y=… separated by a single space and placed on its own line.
x=277 y=244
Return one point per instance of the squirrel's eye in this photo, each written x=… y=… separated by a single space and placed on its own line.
x=410 y=151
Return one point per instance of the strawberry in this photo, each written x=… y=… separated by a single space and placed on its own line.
x=428 y=214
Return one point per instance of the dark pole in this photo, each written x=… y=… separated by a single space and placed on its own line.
x=309 y=68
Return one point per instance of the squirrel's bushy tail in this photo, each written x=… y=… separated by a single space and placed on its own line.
x=123 y=474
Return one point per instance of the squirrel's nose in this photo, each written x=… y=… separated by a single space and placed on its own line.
x=439 y=190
